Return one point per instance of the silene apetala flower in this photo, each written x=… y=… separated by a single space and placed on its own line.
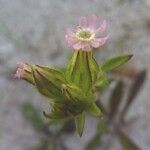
x=72 y=91
x=87 y=34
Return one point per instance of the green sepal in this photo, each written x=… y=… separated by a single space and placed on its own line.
x=115 y=62
x=75 y=99
x=94 y=67
x=52 y=73
x=80 y=122
x=74 y=93
x=102 y=80
x=94 y=110
x=54 y=115
x=82 y=70
x=48 y=81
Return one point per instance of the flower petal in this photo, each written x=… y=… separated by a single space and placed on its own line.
x=70 y=38
x=102 y=27
x=77 y=46
x=70 y=41
x=95 y=43
x=86 y=47
x=99 y=42
x=92 y=20
x=103 y=40
x=83 y=22
x=69 y=32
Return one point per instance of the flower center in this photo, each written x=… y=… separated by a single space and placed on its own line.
x=85 y=34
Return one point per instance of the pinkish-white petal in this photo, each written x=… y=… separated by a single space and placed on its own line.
x=92 y=21
x=70 y=38
x=77 y=46
x=70 y=42
x=86 y=47
x=95 y=43
x=102 y=41
x=102 y=27
x=20 y=70
x=83 y=22
x=70 y=32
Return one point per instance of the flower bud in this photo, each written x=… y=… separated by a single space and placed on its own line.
x=48 y=81
x=24 y=71
x=76 y=100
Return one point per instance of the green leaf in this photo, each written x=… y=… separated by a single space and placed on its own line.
x=94 y=110
x=115 y=62
x=126 y=142
x=80 y=121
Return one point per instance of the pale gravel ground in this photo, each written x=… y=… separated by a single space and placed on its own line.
x=33 y=30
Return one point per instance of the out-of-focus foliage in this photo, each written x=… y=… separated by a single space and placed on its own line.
x=50 y=133
x=114 y=121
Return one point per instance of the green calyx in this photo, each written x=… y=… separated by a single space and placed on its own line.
x=72 y=91
x=82 y=70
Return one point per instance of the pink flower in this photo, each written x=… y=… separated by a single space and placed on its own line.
x=87 y=34
x=21 y=70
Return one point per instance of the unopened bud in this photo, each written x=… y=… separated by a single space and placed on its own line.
x=24 y=71
x=48 y=81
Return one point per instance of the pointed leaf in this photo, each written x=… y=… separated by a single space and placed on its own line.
x=115 y=62
x=80 y=121
x=94 y=110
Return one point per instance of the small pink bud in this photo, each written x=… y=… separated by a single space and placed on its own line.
x=24 y=71
x=20 y=73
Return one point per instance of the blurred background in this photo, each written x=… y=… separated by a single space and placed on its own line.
x=33 y=31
